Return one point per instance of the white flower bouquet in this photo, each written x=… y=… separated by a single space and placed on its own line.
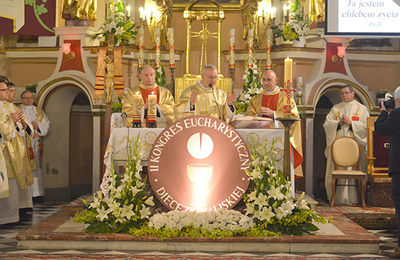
x=126 y=203
x=117 y=26
x=251 y=87
x=271 y=204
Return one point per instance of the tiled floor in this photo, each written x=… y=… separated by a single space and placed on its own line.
x=9 y=250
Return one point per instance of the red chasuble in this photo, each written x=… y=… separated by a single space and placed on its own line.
x=270 y=101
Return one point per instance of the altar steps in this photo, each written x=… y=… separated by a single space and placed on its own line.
x=342 y=236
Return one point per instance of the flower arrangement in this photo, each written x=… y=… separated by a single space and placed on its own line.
x=271 y=204
x=117 y=26
x=298 y=24
x=160 y=76
x=251 y=87
x=125 y=204
x=271 y=210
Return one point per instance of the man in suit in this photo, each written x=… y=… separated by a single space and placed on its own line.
x=388 y=124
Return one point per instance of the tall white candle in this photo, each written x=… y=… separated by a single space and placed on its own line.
x=232 y=48
x=157 y=40
x=171 y=47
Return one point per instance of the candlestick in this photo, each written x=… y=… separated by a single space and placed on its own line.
x=137 y=110
x=152 y=111
x=232 y=49
x=141 y=40
x=269 y=44
x=171 y=47
x=157 y=40
x=250 y=43
x=288 y=72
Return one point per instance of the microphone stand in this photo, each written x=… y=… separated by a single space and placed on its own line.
x=215 y=100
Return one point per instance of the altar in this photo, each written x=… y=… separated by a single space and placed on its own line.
x=117 y=147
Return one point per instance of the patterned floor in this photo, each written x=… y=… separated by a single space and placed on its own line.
x=9 y=250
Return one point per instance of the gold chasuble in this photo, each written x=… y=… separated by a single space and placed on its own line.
x=209 y=102
x=275 y=101
x=165 y=101
x=15 y=152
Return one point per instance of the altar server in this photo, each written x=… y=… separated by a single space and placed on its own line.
x=348 y=118
x=41 y=126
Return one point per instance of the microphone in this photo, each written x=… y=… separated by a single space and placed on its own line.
x=215 y=100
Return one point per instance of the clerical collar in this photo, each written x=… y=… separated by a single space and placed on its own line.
x=147 y=87
x=201 y=85
x=272 y=92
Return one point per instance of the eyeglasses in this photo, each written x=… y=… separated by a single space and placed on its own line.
x=4 y=89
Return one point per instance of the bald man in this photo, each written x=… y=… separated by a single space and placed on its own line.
x=148 y=86
x=267 y=103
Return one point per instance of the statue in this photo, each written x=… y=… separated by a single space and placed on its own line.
x=248 y=9
x=79 y=10
x=163 y=21
x=317 y=8
x=109 y=78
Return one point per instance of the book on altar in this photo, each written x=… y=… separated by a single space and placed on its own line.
x=253 y=122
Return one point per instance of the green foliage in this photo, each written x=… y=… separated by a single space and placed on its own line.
x=123 y=205
x=251 y=87
x=31 y=87
x=116 y=107
x=160 y=76
x=123 y=30
x=192 y=232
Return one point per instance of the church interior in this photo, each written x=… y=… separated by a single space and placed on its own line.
x=58 y=50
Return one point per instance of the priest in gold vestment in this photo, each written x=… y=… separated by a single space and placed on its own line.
x=348 y=118
x=18 y=165
x=203 y=98
x=269 y=103
x=148 y=86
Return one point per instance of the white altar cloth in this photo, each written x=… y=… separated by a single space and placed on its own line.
x=120 y=134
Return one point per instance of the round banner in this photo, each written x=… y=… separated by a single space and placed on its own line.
x=198 y=164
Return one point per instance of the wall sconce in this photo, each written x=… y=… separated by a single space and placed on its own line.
x=66 y=49
x=341 y=52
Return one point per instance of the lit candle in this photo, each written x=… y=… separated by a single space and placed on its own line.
x=232 y=52
x=151 y=110
x=171 y=47
x=141 y=40
x=128 y=11
x=288 y=72
x=157 y=40
x=137 y=109
x=250 y=43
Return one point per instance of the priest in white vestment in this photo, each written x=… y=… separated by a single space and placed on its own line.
x=41 y=126
x=348 y=118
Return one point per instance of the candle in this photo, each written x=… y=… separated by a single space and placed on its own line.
x=288 y=72
x=157 y=40
x=137 y=109
x=269 y=44
x=141 y=40
x=232 y=49
x=151 y=110
x=128 y=11
x=171 y=47
x=250 y=43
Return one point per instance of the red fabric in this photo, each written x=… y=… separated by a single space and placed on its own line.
x=30 y=152
x=330 y=66
x=270 y=101
x=146 y=93
x=381 y=153
x=76 y=63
